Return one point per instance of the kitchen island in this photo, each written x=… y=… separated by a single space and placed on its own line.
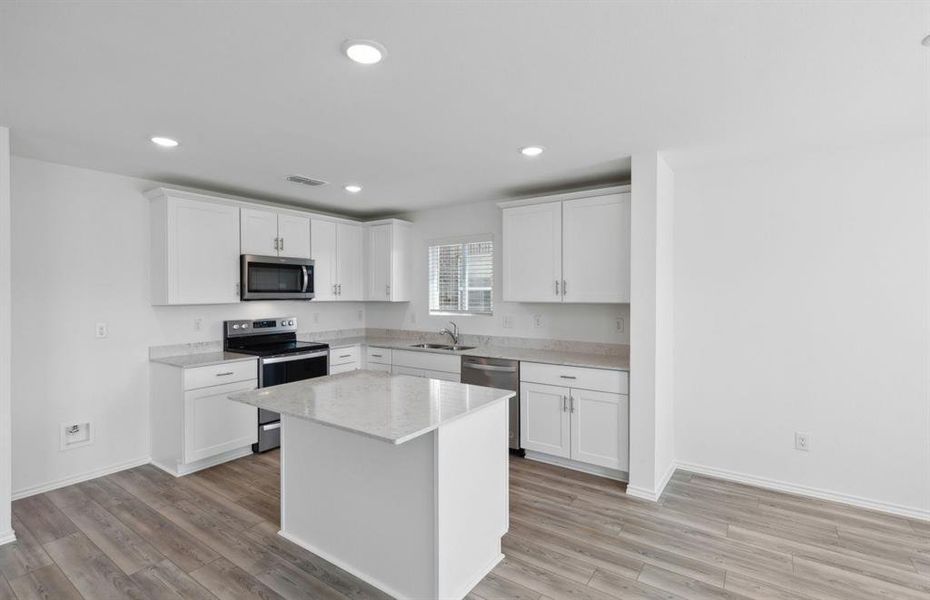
x=401 y=481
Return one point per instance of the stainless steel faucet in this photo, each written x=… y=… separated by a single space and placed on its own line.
x=454 y=334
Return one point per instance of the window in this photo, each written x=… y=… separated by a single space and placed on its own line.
x=461 y=277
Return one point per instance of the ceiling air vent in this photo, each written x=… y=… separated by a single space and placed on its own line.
x=304 y=180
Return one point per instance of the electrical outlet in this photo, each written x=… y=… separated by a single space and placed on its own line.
x=802 y=441
x=198 y=323
x=537 y=321
x=101 y=330
x=620 y=324
x=508 y=322
x=75 y=435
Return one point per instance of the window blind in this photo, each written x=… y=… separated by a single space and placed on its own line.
x=461 y=278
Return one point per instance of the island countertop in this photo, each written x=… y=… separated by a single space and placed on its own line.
x=392 y=408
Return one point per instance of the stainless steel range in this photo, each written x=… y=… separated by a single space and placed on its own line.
x=281 y=359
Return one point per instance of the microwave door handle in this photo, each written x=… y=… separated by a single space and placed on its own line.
x=306 y=280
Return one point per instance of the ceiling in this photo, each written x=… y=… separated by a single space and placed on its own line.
x=256 y=91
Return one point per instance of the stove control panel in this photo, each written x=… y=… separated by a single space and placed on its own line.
x=260 y=326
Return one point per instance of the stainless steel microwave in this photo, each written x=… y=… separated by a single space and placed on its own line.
x=276 y=278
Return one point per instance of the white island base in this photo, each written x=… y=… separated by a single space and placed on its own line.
x=420 y=519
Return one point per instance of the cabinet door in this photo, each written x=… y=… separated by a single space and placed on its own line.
x=596 y=249
x=532 y=253
x=379 y=262
x=544 y=419
x=350 y=262
x=378 y=367
x=600 y=428
x=398 y=370
x=293 y=236
x=259 y=232
x=214 y=424
x=343 y=368
x=203 y=252
x=323 y=253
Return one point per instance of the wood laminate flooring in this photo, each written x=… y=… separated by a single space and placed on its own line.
x=144 y=534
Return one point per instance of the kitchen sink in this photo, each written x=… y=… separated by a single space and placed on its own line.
x=441 y=347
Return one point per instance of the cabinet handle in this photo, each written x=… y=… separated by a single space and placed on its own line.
x=387 y=291
x=556 y=287
x=376 y=355
x=334 y=289
x=226 y=374
x=571 y=404
x=345 y=356
x=339 y=287
x=276 y=244
x=282 y=245
x=237 y=290
x=568 y=377
x=564 y=403
x=564 y=287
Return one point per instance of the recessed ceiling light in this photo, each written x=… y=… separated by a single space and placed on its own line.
x=164 y=142
x=365 y=52
x=926 y=41
x=531 y=151
x=353 y=189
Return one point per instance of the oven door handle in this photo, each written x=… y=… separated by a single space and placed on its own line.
x=292 y=357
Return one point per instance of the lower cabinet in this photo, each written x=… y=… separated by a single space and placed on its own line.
x=343 y=360
x=213 y=424
x=427 y=373
x=432 y=365
x=583 y=425
x=194 y=424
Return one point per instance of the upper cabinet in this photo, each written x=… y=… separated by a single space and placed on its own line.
x=571 y=250
x=195 y=249
x=270 y=233
x=338 y=260
x=388 y=245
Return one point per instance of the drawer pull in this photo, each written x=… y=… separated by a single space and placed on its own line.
x=376 y=355
x=568 y=377
x=345 y=356
x=227 y=373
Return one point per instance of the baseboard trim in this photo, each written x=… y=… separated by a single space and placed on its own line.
x=460 y=594
x=187 y=469
x=7 y=536
x=653 y=495
x=801 y=490
x=54 y=485
x=558 y=461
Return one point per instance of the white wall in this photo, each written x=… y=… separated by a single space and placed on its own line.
x=802 y=306
x=6 y=533
x=81 y=256
x=652 y=416
x=592 y=323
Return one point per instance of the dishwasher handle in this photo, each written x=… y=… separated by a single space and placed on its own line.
x=496 y=369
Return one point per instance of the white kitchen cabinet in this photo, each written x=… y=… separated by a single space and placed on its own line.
x=345 y=359
x=344 y=368
x=388 y=250
x=270 y=233
x=214 y=424
x=597 y=437
x=194 y=249
x=576 y=413
x=194 y=424
x=379 y=367
x=338 y=260
x=596 y=249
x=567 y=248
x=425 y=373
x=350 y=262
x=323 y=251
x=545 y=423
x=532 y=253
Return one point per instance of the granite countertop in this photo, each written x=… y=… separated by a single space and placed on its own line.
x=202 y=359
x=553 y=357
x=391 y=408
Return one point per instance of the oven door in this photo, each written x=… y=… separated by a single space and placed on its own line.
x=276 y=370
x=276 y=278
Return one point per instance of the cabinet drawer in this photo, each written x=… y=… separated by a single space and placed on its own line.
x=381 y=356
x=604 y=380
x=426 y=373
x=343 y=368
x=450 y=363
x=342 y=356
x=379 y=367
x=220 y=374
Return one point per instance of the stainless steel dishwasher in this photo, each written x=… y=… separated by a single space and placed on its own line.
x=497 y=373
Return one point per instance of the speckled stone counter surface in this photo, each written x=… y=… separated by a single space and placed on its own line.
x=555 y=352
x=392 y=408
x=201 y=359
